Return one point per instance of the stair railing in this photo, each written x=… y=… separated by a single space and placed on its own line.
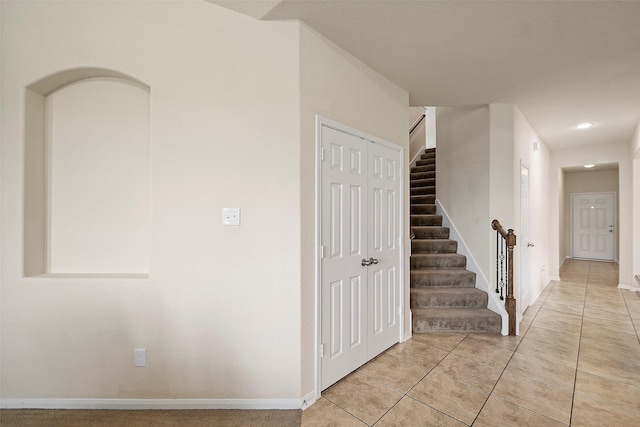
x=416 y=123
x=504 y=273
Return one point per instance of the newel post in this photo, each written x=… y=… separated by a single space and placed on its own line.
x=510 y=303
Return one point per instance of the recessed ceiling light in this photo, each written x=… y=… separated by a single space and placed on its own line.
x=589 y=166
x=584 y=125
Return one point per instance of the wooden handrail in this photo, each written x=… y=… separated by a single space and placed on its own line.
x=416 y=123
x=510 y=301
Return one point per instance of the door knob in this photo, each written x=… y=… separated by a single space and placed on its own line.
x=368 y=262
x=530 y=245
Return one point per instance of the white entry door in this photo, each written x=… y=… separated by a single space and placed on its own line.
x=360 y=231
x=593 y=226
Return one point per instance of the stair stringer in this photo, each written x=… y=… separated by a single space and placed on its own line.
x=494 y=304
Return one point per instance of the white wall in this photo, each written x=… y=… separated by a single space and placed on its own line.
x=605 y=153
x=537 y=161
x=463 y=176
x=339 y=87
x=220 y=314
x=98 y=178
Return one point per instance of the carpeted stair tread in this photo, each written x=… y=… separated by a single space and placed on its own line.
x=448 y=298
x=426 y=220
x=426 y=162
x=423 y=209
x=430 y=231
x=434 y=246
x=423 y=168
x=455 y=320
x=442 y=277
x=438 y=261
x=422 y=175
x=423 y=182
x=421 y=191
x=428 y=199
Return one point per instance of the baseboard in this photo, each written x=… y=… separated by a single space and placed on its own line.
x=308 y=400
x=131 y=404
x=629 y=287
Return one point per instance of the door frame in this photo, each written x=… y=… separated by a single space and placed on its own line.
x=525 y=251
x=320 y=122
x=615 y=224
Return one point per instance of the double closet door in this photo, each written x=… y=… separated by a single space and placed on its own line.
x=361 y=242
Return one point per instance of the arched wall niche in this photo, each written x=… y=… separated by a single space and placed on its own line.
x=86 y=181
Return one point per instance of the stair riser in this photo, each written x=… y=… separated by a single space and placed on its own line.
x=452 y=261
x=422 y=191
x=429 y=199
x=423 y=168
x=429 y=182
x=426 y=220
x=444 y=300
x=422 y=175
x=423 y=209
x=455 y=325
x=426 y=156
x=427 y=162
x=443 y=280
x=434 y=247
x=430 y=232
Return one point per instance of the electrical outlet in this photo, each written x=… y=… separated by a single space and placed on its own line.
x=230 y=216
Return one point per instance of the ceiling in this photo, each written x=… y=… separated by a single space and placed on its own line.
x=561 y=62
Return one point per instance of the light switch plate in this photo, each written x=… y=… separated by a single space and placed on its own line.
x=230 y=216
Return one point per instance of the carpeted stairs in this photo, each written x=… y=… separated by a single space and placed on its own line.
x=443 y=293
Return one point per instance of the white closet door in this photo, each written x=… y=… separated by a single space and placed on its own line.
x=344 y=238
x=384 y=233
x=594 y=226
x=360 y=221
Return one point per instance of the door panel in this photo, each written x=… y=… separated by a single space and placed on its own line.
x=343 y=287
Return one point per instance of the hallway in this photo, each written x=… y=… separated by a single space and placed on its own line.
x=576 y=362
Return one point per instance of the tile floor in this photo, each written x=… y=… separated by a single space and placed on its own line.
x=576 y=362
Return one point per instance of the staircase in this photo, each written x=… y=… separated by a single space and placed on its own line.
x=443 y=293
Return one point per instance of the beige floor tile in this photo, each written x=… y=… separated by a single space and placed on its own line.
x=615 y=338
x=535 y=396
x=568 y=308
x=455 y=399
x=591 y=324
x=609 y=392
x=561 y=340
x=324 y=413
x=394 y=372
x=483 y=352
x=610 y=351
x=498 y=412
x=499 y=340
x=363 y=397
x=469 y=372
x=606 y=306
x=418 y=352
x=543 y=371
x=411 y=413
x=443 y=341
x=589 y=413
x=571 y=325
x=548 y=352
x=606 y=315
x=609 y=368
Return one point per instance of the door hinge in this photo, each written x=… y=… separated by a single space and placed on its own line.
x=321 y=351
x=321 y=153
x=321 y=252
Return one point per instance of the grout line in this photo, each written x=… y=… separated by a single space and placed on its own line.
x=575 y=379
